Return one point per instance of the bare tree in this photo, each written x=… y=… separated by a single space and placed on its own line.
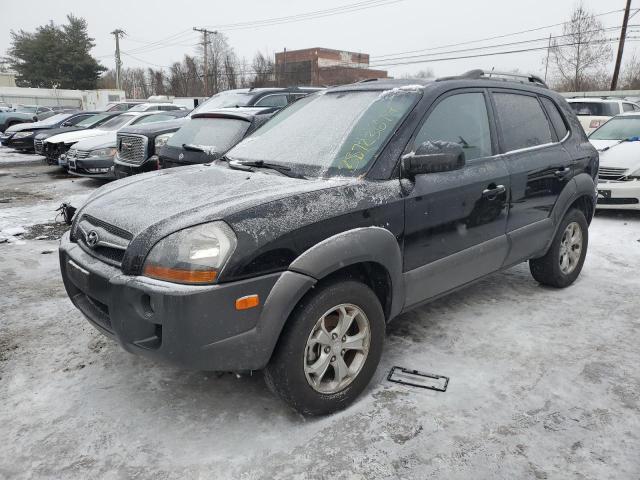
x=580 y=56
x=426 y=74
x=630 y=77
x=263 y=69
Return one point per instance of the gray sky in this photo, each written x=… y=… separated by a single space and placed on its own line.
x=403 y=26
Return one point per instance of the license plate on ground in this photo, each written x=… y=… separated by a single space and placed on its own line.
x=604 y=193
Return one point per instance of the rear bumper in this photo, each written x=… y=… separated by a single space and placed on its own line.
x=619 y=195
x=195 y=327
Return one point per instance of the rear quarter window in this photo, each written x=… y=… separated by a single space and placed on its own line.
x=522 y=121
x=557 y=120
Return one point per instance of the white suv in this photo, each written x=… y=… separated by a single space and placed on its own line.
x=593 y=112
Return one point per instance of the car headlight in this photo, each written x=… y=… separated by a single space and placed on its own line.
x=103 y=152
x=22 y=135
x=195 y=255
x=161 y=140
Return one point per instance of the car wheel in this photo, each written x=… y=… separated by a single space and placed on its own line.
x=563 y=262
x=329 y=348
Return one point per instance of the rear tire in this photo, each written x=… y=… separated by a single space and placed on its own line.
x=563 y=262
x=329 y=348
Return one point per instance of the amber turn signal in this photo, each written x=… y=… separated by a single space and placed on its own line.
x=178 y=275
x=245 y=303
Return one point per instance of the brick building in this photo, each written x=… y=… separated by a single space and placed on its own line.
x=323 y=66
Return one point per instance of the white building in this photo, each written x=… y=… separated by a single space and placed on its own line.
x=50 y=97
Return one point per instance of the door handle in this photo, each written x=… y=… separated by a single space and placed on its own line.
x=562 y=172
x=492 y=193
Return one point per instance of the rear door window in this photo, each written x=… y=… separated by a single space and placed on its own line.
x=460 y=119
x=557 y=120
x=272 y=101
x=522 y=121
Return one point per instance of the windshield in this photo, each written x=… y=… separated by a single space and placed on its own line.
x=212 y=134
x=226 y=99
x=25 y=109
x=594 y=109
x=92 y=120
x=116 y=122
x=337 y=133
x=618 y=129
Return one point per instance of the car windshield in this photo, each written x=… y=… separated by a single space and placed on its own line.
x=25 y=109
x=211 y=134
x=116 y=122
x=226 y=99
x=595 y=109
x=93 y=120
x=337 y=133
x=618 y=129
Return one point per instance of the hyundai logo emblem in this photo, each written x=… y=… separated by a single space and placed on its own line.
x=181 y=156
x=92 y=238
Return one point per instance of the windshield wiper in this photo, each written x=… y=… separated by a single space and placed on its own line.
x=282 y=169
x=192 y=148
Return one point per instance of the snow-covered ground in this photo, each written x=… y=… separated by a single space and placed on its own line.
x=544 y=383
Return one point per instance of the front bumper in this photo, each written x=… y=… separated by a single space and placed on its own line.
x=619 y=195
x=123 y=169
x=196 y=327
x=24 y=143
x=5 y=139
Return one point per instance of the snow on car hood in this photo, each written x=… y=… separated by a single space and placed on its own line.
x=208 y=192
x=93 y=143
x=614 y=154
x=18 y=127
x=76 y=135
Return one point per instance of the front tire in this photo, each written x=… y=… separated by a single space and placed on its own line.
x=329 y=348
x=563 y=262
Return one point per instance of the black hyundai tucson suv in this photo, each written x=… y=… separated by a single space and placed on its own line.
x=351 y=206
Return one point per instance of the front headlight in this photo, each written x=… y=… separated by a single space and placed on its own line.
x=22 y=135
x=161 y=140
x=195 y=255
x=103 y=152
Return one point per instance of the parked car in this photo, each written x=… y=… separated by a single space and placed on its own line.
x=149 y=107
x=208 y=136
x=618 y=142
x=138 y=146
x=255 y=97
x=60 y=144
x=122 y=106
x=593 y=112
x=93 y=156
x=52 y=151
x=21 y=136
x=292 y=252
x=23 y=114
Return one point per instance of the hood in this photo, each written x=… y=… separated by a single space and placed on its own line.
x=192 y=194
x=44 y=134
x=618 y=155
x=94 y=143
x=76 y=135
x=21 y=126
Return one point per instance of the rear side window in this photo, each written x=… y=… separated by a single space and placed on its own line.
x=461 y=119
x=557 y=120
x=522 y=122
x=627 y=107
x=272 y=101
x=595 y=109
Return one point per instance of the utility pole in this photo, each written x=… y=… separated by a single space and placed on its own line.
x=546 y=66
x=118 y=33
x=623 y=34
x=205 y=41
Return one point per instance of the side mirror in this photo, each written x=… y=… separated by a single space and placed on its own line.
x=65 y=124
x=35 y=118
x=433 y=157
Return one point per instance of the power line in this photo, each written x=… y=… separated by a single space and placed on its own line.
x=495 y=37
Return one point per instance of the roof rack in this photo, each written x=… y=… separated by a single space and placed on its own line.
x=493 y=75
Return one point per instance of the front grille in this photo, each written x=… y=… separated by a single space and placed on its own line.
x=38 y=146
x=132 y=149
x=611 y=173
x=82 y=154
x=113 y=240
